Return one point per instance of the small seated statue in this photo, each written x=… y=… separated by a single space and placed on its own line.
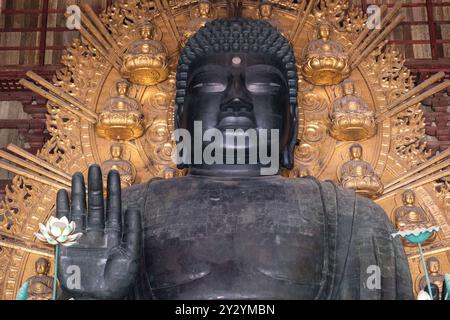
x=200 y=16
x=410 y=217
x=121 y=118
x=434 y=274
x=351 y=119
x=146 y=60
x=265 y=10
x=324 y=60
x=125 y=168
x=358 y=175
x=40 y=286
x=232 y=228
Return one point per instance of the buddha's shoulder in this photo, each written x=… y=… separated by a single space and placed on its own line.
x=362 y=211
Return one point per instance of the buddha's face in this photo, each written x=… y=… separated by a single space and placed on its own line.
x=116 y=151
x=147 y=32
x=122 y=88
x=409 y=198
x=238 y=91
x=204 y=8
x=349 y=88
x=42 y=267
x=324 y=31
x=433 y=266
x=356 y=152
x=265 y=10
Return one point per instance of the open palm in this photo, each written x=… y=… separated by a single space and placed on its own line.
x=105 y=261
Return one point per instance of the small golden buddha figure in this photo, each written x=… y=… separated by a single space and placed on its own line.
x=124 y=167
x=200 y=16
x=121 y=119
x=410 y=217
x=40 y=286
x=351 y=119
x=146 y=60
x=434 y=273
x=265 y=10
x=324 y=60
x=359 y=175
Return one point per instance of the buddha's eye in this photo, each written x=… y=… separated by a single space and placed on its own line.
x=212 y=87
x=263 y=87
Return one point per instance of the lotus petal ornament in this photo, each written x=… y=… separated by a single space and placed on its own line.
x=58 y=231
x=419 y=236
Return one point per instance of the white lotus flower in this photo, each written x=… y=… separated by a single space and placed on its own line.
x=423 y=295
x=58 y=231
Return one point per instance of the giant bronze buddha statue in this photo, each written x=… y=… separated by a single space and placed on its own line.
x=229 y=231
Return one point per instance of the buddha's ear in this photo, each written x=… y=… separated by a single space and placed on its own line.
x=287 y=158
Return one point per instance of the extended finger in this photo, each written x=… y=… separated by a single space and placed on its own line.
x=62 y=205
x=113 y=209
x=96 y=213
x=78 y=204
x=132 y=231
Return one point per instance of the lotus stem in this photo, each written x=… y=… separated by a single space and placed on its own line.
x=425 y=270
x=55 y=277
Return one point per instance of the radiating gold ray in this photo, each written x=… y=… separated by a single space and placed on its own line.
x=100 y=26
x=12 y=242
x=419 y=168
x=295 y=36
x=101 y=41
x=424 y=85
x=298 y=20
x=357 y=45
x=377 y=41
x=19 y=151
x=34 y=168
x=418 y=183
x=417 y=176
x=31 y=175
x=171 y=26
x=94 y=42
x=56 y=100
x=371 y=37
x=409 y=103
x=59 y=92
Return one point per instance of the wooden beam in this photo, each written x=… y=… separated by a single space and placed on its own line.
x=32 y=124
x=432 y=29
x=43 y=34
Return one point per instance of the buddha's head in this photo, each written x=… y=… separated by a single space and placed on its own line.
x=409 y=197
x=433 y=265
x=204 y=8
x=122 y=88
x=147 y=31
x=348 y=86
x=324 y=31
x=356 y=151
x=265 y=10
x=116 y=151
x=239 y=74
x=42 y=266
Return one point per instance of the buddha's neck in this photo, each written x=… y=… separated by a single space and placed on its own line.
x=228 y=170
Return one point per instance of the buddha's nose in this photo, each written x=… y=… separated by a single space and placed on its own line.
x=236 y=98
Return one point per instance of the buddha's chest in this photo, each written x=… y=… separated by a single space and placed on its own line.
x=242 y=236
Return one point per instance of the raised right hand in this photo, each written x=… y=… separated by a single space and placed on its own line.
x=106 y=256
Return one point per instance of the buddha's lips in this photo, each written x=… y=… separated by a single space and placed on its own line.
x=236 y=122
